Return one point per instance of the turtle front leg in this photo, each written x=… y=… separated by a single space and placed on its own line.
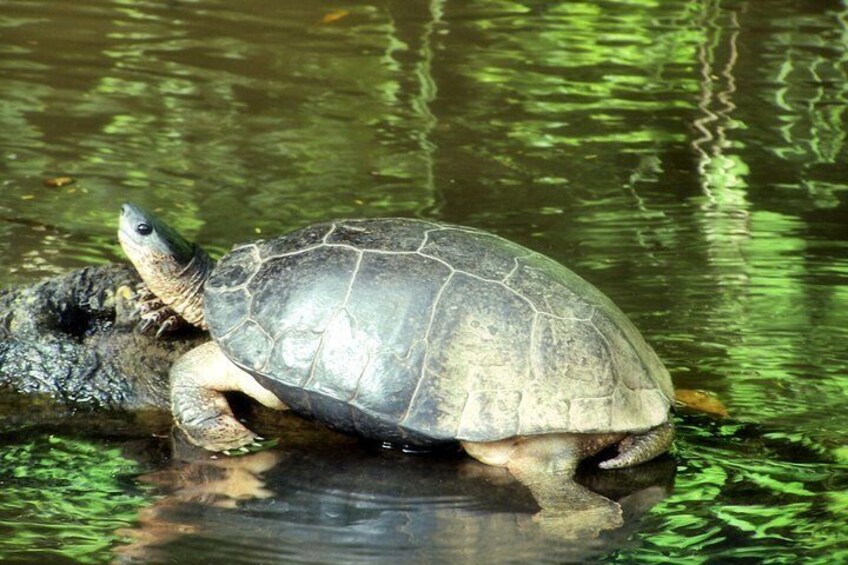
x=198 y=380
x=154 y=313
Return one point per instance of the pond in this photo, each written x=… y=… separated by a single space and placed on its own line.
x=689 y=158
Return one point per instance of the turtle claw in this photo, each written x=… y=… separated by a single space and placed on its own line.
x=151 y=306
x=145 y=325
x=258 y=444
x=243 y=450
x=142 y=291
x=164 y=320
x=154 y=313
x=171 y=323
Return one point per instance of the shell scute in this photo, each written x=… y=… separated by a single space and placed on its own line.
x=551 y=288
x=478 y=349
x=482 y=254
x=252 y=343
x=296 y=242
x=232 y=308
x=380 y=235
x=573 y=350
x=390 y=305
x=293 y=354
x=344 y=354
x=235 y=271
x=299 y=292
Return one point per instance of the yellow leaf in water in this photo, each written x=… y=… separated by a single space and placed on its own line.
x=700 y=401
x=334 y=16
x=58 y=182
x=27 y=196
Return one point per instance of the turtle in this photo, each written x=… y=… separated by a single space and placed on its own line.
x=409 y=332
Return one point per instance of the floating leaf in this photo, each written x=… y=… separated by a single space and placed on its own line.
x=700 y=401
x=59 y=182
x=334 y=16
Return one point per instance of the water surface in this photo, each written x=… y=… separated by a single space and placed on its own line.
x=688 y=158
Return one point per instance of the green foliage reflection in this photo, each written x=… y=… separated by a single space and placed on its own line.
x=63 y=500
x=740 y=497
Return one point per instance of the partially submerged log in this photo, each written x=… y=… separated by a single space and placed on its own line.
x=69 y=345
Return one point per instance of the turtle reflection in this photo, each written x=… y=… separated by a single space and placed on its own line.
x=329 y=498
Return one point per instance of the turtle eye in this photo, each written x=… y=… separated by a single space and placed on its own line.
x=144 y=229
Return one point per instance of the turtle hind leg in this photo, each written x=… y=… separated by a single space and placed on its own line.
x=200 y=409
x=545 y=465
x=640 y=448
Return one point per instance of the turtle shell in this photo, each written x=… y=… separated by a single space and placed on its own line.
x=420 y=333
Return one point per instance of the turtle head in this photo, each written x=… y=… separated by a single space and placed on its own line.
x=173 y=268
x=147 y=239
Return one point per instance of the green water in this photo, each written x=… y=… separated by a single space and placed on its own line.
x=687 y=157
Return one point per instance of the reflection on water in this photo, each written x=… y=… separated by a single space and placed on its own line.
x=63 y=499
x=689 y=158
x=323 y=497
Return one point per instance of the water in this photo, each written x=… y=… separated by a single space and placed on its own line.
x=689 y=158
